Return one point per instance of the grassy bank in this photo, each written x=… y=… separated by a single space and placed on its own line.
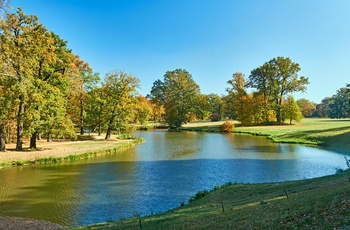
x=330 y=133
x=320 y=203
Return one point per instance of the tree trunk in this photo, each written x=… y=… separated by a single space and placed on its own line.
x=108 y=134
x=81 y=116
x=278 y=116
x=49 y=138
x=99 y=120
x=99 y=129
x=20 y=124
x=2 y=138
x=33 y=141
x=109 y=130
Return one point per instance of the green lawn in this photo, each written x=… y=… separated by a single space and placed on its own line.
x=330 y=133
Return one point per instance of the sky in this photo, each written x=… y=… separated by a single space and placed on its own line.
x=211 y=39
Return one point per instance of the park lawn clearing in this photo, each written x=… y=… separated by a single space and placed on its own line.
x=328 y=133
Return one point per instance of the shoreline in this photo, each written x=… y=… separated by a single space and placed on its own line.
x=60 y=151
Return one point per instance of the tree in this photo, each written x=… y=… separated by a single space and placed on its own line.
x=119 y=90
x=143 y=110
x=291 y=110
x=179 y=93
x=25 y=46
x=95 y=109
x=4 y=6
x=339 y=105
x=307 y=107
x=323 y=109
x=277 y=78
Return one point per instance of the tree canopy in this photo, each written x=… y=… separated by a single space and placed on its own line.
x=177 y=93
x=277 y=78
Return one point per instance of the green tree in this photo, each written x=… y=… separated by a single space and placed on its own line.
x=24 y=43
x=323 y=109
x=339 y=105
x=277 y=78
x=95 y=109
x=291 y=111
x=179 y=93
x=119 y=90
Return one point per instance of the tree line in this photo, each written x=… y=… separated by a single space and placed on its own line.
x=47 y=91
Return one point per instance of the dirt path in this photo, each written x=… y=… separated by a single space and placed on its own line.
x=58 y=148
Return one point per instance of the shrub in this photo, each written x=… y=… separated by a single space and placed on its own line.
x=124 y=136
x=215 y=117
x=227 y=127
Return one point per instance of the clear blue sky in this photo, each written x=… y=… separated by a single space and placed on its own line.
x=211 y=39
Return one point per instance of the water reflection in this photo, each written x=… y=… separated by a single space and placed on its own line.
x=154 y=177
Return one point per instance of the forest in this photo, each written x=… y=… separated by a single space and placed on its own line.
x=47 y=91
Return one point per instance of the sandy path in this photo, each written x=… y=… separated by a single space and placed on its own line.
x=58 y=148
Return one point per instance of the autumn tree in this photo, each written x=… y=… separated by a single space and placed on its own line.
x=41 y=66
x=119 y=91
x=277 y=78
x=291 y=110
x=178 y=93
x=143 y=110
x=24 y=43
x=82 y=82
x=307 y=107
x=238 y=95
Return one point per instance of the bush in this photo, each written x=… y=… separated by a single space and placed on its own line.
x=215 y=117
x=125 y=136
x=227 y=127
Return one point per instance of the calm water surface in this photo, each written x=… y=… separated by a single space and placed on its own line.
x=154 y=177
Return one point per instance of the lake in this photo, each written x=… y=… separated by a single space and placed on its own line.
x=154 y=177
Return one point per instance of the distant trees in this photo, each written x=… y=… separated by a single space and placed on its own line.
x=336 y=106
x=275 y=79
x=307 y=107
x=178 y=93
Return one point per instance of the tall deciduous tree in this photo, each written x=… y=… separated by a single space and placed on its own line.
x=178 y=92
x=277 y=78
x=23 y=44
x=119 y=90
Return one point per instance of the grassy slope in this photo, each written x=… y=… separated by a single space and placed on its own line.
x=326 y=132
x=316 y=203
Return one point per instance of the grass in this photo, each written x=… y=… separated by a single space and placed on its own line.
x=332 y=133
x=320 y=203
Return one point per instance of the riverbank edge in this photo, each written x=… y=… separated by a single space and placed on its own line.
x=73 y=157
x=271 y=137
x=321 y=203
